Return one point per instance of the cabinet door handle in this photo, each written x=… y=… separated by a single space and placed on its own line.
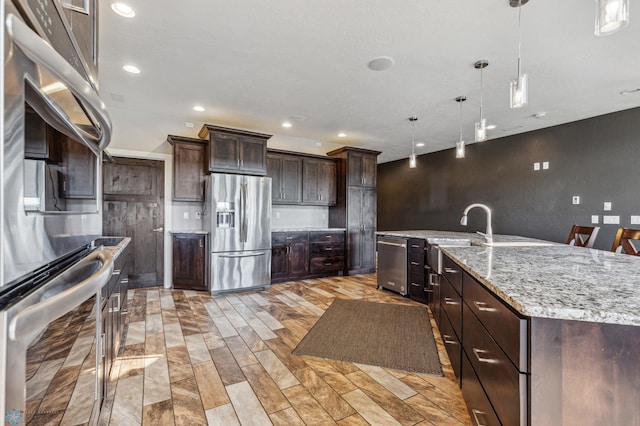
x=448 y=340
x=416 y=285
x=451 y=271
x=449 y=301
x=479 y=353
x=102 y=345
x=415 y=246
x=415 y=263
x=328 y=249
x=477 y=413
x=484 y=307
x=201 y=243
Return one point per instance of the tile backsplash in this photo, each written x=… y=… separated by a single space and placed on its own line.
x=184 y=216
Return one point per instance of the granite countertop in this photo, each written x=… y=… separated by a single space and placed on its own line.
x=305 y=229
x=189 y=231
x=443 y=237
x=116 y=250
x=559 y=282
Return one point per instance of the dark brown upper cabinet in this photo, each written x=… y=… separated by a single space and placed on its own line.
x=285 y=172
x=188 y=168
x=78 y=170
x=319 y=182
x=40 y=142
x=235 y=151
x=361 y=169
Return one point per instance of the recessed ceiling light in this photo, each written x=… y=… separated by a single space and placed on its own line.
x=342 y=135
x=381 y=63
x=420 y=144
x=132 y=69
x=123 y=10
x=286 y=124
x=630 y=91
x=198 y=108
x=491 y=126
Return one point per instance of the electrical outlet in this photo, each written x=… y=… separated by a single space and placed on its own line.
x=611 y=220
x=635 y=220
x=536 y=166
x=185 y=215
x=545 y=165
x=595 y=219
x=607 y=206
x=576 y=199
x=198 y=215
x=277 y=215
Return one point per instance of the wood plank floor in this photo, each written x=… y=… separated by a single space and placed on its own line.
x=192 y=359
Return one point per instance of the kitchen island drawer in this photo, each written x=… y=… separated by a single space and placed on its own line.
x=452 y=345
x=416 y=245
x=506 y=327
x=505 y=386
x=451 y=304
x=453 y=273
x=325 y=264
x=480 y=409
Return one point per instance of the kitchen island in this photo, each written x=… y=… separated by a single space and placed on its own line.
x=542 y=335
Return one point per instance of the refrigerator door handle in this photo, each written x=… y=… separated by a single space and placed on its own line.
x=243 y=223
x=242 y=255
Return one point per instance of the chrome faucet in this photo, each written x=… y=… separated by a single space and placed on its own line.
x=488 y=234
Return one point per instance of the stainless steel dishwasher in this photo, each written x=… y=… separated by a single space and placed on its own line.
x=392 y=264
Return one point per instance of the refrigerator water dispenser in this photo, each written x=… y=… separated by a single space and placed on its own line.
x=225 y=214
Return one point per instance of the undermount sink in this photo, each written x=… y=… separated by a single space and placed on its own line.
x=513 y=244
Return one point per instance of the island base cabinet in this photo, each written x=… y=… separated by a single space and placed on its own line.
x=480 y=409
x=584 y=373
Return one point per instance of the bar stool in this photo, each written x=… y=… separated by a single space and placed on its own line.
x=623 y=243
x=583 y=236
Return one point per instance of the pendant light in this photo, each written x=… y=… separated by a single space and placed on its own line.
x=460 y=145
x=611 y=16
x=519 y=90
x=412 y=158
x=481 y=126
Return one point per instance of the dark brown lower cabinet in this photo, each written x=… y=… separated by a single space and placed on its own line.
x=189 y=261
x=300 y=255
x=417 y=280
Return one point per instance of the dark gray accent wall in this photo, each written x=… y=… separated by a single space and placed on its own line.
x=597 y=159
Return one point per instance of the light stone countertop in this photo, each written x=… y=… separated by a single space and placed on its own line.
x=189 y=231
x=116 y=250
x=305 y=229
x=443 y=237
x=559 y=282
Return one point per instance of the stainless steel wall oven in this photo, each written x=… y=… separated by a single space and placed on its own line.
x=54 y=127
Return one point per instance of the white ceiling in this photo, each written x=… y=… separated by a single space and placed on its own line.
x=254 y=63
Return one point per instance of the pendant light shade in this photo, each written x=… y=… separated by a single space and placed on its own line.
x=460 y=148
x=611 y=16
x=481 y=125
x=519 y=88
x=412 y=157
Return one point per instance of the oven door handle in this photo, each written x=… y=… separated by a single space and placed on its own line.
x=42 y=54
x=28 y=323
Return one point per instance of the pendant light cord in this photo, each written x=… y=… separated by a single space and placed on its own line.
x=481 y=93
x=460 y=121
x=519 y=37
x=413 y=138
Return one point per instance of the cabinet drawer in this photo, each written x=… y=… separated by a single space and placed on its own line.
x=288 y=237
x=416 y=245
x=325 y=264
x=451 y=304
x=507 y=328
x=327 y=249
x=503 y=384
x=453 y=273
x=452 y=344
x=478 y=404
x=320 y=237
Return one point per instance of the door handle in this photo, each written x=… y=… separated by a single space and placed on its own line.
x=160 y=229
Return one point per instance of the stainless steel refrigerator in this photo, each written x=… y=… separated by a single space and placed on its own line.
x=238 y=218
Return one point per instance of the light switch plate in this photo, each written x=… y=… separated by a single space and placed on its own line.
x=185 y=215
x=545 y=165
x=575 y=199
x=198 y=215
x=607 y=206
x=536 y=166
x=635 y=220
x=595 y=218
x=611 y=220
